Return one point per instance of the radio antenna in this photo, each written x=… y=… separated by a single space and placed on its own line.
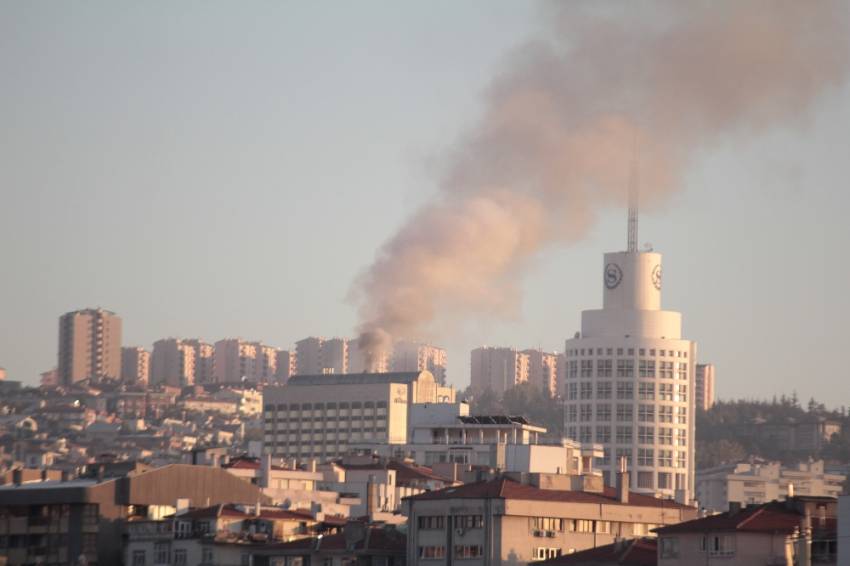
x=634 y=195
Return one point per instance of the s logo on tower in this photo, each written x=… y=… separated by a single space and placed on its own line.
x=613 y=275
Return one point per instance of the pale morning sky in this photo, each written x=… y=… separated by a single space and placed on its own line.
x=219 y=169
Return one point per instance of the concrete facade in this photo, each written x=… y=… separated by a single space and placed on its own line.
x=204 y=360
x=415 y=356
x=704 y=386
x=497 y=369
x=543 y=370
x=172 y=363
x=135 y=365
x=89 y=345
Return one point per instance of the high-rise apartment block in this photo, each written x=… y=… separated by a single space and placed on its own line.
x=235 y=360
x=705 y=386
x=414 y=356
x=89 y=345
x=265 y=365
x=630 y=379
x=285 y=366
x=316 y=355
x=204 y=360
x=172 y=363
x=135 y=365
x=543 y=370
x=498 y=369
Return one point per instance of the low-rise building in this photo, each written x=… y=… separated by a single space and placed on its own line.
x=761 y=481
x=796 y=532
x=357 y=544
x=528 y=517
x=641 y=551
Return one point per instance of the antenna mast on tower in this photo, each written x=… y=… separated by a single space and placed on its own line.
x=633 y=200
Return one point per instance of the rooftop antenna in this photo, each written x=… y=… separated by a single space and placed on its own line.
x=633 y=198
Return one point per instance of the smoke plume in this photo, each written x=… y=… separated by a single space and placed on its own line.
x=556 y=138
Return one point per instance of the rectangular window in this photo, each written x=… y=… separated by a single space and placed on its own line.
x=683 y=370
x=646 y=435
x=432 y=522
x=665 y=458
x=721 y=545
x=572 y=368
x=468 y=521
x=644 y=479
x=683 y=392
x=665 y=414
x=624 y=435
x=468 y=551
x=541 y=525
x=586 y=391
x=669 y=547
x=587 y=368
x=682 y=437
x=625 y=368
x=580 y=525
x=625 y=413
x=624 y=453
x=665 y=480
x=665 y=392
x=604 y=368
x=603 y=390
x=646 y=368
x=665 y=370
x=603 y=434
x=681 y=459
x=665 y=435
x=572 y=391
x=432 y=552
x=603 y=413
x=586 y=413
x=625 y=390
x=161 y=552
x=646 y=413
x=572 y=414
x=646 y=391
x=682 y=415
x=646 y=457
x=585 y=434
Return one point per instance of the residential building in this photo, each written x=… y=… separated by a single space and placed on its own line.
x=360 y=362
x=235 y=360
x=265 y=366
x=528 y=517
x=358 y=543
x=285 y=365
x=316 y=355
x=415 y=356
x=135 y=365
x=796 y=532
x=204 y=360
x=57 y=522
x=498 y=369
x=630 y=379
x=49 y=379
x=759 y=481
x=543 y=370
x=172 y=363
x=843 y=534
x=89 y=345
x=319 y=416
x=704 y=386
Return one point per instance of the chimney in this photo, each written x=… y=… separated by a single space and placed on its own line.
x=734 y=508
x=313 y=465
x=623 y=481
x=17 y=476
x=44 y=474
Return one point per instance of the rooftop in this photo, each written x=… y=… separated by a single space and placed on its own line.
x=773 y=517
x=355 y=378
x=506 y=488
x=636 y=552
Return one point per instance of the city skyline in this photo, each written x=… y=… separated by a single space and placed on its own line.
x=751 y=240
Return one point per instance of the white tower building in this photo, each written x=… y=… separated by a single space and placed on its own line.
x=629 y=381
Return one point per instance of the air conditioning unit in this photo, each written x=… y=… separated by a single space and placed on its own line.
x=550 y=534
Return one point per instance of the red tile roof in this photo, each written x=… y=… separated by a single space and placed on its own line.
x=232 y=511
x=377 y=540
x=637 y=552
x=767 y=518
x=405 y=473
x=505 y=488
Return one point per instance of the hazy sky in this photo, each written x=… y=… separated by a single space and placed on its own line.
x=227 y=169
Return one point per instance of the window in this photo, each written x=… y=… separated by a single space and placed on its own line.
x=603 y=434
x=625 y=368
x=721 y=545
x=572 y=391
x=162 y=552
x=625 y=413
x=665 y=391
x=603 y=390
x=665 y=414
x=683 y=392
x=206 y=555
x=585 y=434
x=586 y=413
x=572 y=368
x=669 y=547
x=665 y=435
x=646 y=368
x=681 y=459
x=682 y=439
x=646 y=413
x=432 y=552
x=138 y=558
x=625 y=390
x=603 y=368
x=587 y=368
x=644 y=480
x=603 y=413
x=665 y=480
x=683 y=370
x=572 y=414
x=665 y=458
x=646 y=391
x=581 y=525
x=646 y=435
x=432 y=522
x=542 y=553
x=603 y=527
x=624 y=435
x=646 y=457
x=682 y=415
x=541 y=525
x=586 y=390
x=468 y=521
x=665 y=370
x=624 y=453
x=467 y=551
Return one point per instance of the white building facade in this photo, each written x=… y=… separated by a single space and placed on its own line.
x=629 y=380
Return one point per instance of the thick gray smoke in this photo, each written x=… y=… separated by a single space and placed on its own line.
x=557 y=136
